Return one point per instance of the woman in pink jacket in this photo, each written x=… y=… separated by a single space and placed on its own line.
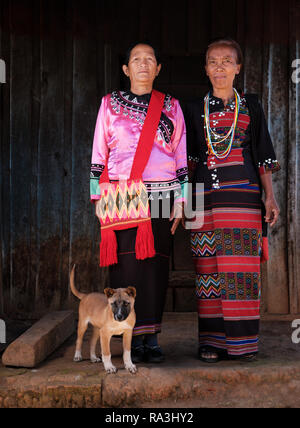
x=119 y=124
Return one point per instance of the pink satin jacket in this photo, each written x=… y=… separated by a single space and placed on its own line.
x=118 y=128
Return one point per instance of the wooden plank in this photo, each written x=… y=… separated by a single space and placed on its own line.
x=108 y=51
x=126 y=19
x=5 y=158
x=174 y=27
x=199 y=26
x=226 y=20
x=50 y=159
x=1 y=173
x=35 y=129
x=41 y=340
x=20 y=161
x=126 y=27
x=223 y=18
x=150 y=22
x=65 y=294
x=253 y=75
x=293 y=210
x=253 y=66
x=241 y=20
x=275 y=103
x=84 y=227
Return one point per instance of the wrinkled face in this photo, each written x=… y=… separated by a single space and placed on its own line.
x=142 y=66
x=121 y=302
x=221 y=66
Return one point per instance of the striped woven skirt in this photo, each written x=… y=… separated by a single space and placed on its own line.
x=226 y=252
x=149 y=277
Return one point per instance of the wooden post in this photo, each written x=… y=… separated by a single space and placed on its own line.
x=293 y=185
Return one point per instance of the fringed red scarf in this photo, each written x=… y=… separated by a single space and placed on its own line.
x=125 y=204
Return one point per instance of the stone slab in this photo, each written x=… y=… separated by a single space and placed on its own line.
x=37 y=343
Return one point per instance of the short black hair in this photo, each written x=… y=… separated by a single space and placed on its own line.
x=227 y=41
x=144 y=42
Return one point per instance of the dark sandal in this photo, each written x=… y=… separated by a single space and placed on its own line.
x=246 y=358
x=202 y=351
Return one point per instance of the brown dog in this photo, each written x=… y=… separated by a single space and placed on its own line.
x=110 y=314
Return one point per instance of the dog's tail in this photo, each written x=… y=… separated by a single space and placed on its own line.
x=72 y=285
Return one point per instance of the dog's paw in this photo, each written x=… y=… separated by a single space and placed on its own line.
x=95 y=360
x=111 y=369
x=77 y=357
x=131 y=368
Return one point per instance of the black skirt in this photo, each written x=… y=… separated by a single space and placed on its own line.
x=149 y=277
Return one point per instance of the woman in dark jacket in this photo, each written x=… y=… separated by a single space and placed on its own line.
x=231 y=152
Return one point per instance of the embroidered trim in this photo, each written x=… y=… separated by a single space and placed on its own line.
x=122 y=103
x=96 y=171
x=270 y=165
x=182 y=175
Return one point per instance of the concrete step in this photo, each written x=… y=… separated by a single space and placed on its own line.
x=182 y=380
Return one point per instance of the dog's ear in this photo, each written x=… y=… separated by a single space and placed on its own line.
x=109 y=292
x=131 y=291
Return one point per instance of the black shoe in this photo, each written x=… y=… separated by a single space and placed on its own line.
x=248 y=358
x=153 y=354
x=137 y=354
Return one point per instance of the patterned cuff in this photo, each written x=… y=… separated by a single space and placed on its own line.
x=94 y=189
x=184 y=192
x=96 y=171
x=182 y=177
x=268 y=165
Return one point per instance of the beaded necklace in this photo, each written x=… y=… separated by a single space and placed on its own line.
x=212 y=137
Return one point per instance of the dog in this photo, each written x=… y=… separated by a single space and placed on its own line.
x=111 y=313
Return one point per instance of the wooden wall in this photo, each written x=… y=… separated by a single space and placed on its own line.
x=62 y=56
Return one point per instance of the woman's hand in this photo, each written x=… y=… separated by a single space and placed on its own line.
x=272 y=210
x=177 y=214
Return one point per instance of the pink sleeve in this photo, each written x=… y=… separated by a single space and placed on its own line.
x=100 y=149
x=179 y=149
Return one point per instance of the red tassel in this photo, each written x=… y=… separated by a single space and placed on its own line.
x=108 y=248
x=144 y=244
x=265 y=250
